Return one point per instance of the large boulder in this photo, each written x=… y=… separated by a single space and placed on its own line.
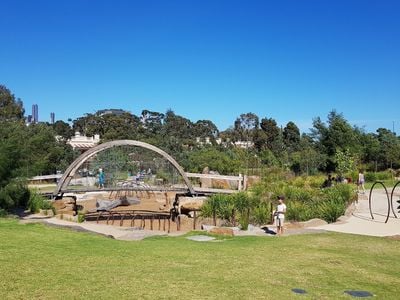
x=191 y=203
x=225 y=231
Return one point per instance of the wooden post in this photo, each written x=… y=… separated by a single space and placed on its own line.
x=194 y=219
x=272 y=215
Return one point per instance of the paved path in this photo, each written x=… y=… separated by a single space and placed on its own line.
x=360 y=221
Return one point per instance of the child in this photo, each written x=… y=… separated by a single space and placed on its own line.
x=279 y=215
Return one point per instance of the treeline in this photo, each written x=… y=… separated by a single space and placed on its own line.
x=25 y=151
x=331 y=146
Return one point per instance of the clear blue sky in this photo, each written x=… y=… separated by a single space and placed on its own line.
x=289 y=60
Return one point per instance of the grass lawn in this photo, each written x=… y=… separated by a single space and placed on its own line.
x=37 y=261
x=388 y=183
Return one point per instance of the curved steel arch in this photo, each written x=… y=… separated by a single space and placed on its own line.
x=70 y=172
x=370 y=200
x=391 y=198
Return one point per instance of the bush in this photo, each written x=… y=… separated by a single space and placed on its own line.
x=335 y=202
x=220 y=206
x=386 y=175
x=37 y=202
x=14 y=194
x=330 y=210
x=3 y=213
x=370 y=177
x=81 y=217
x=261 y=214
x=299 y=211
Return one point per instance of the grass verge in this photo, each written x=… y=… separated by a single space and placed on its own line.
x=49 y=263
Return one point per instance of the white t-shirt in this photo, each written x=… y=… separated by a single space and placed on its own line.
x=281 y=209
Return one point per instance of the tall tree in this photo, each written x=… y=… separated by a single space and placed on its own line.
x=245 y=126
x=272 y=132
x=205 y=128
x=10 y=108
x=291 y=137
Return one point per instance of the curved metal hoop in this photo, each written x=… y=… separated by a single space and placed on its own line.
x=370 y=200
x=70 y=172
x=391 y=198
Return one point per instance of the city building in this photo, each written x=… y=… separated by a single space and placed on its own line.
x=35 y=113
x=52 y=117
x=82 y=142
x=110 y=111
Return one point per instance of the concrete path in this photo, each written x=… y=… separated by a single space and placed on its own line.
x=360 y=222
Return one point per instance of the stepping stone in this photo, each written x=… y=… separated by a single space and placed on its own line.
x=359 y=294
x=299 y=291
x=201 y=238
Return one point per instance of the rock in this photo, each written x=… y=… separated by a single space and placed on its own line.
x=46 y=212
x=252 y=180
x=314 y=223
x=58 y=204
x=220 y=184
x=205 y=182
x=222 y=231
x=183 y=219
x=66 y=217
x=191 y=203
x=207 y=227
x=66 y=212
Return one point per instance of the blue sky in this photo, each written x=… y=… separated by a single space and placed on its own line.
x=289 y=60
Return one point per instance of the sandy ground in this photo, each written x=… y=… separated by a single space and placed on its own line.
x=360 y=222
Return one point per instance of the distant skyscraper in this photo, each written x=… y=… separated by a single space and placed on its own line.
x=35 y=113
x=52 y=117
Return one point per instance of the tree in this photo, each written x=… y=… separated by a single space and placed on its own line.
x=345 y=162
x=337 y=134
x=63 y=129
x=291 y=137
x=389 y=152
x=11 y=109
x=245 y=126
x=274 y=140
x=152 y=121
x=205 y=128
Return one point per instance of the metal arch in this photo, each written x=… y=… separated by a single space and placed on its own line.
x=391 y=198
x=370 y=200
x=70 y=172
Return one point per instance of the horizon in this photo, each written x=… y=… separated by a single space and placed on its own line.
x=211 y=60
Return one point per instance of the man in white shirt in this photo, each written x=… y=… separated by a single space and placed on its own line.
x=279 y=215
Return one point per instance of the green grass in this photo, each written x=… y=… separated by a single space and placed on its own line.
x=389 y=183
x=49 y=263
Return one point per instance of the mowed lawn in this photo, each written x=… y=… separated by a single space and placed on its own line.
x=40 y=262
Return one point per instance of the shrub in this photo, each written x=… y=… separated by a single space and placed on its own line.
x=331 y=209
x=299 y=211
x=81 y=217
x=335 y=201
x=386 y=175
x=220 y=206
x=3 y=213
x=14 y=194
x=37 y=202
x=370 y=176
x=261 y=214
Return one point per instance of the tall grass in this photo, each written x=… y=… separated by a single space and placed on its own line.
x=305 y=200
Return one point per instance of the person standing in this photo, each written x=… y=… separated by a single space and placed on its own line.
x=361 y=181
x=280 y=215
x=101 y=178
